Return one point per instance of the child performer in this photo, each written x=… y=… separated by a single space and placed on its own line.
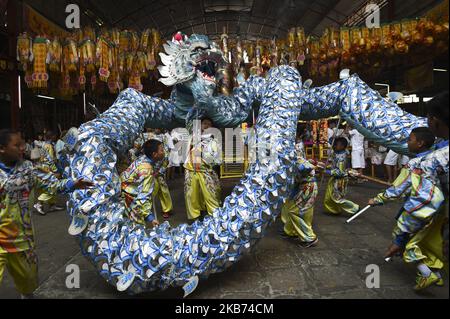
x=202 y=185
x=48 y=163
x=335 y=202
x=17 y=179
x=164 y=194
x=297 y=213
x=140 y=184
x=423 y=201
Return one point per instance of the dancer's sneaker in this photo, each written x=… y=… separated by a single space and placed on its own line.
x=309 y=244
x=40 y=209
x=440 y=283
x=286 y=236
x=56 y=208
x=425 y=282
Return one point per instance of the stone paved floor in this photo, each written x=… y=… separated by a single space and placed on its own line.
x=276 y=268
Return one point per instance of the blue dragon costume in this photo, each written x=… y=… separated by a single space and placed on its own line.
x=137 y=260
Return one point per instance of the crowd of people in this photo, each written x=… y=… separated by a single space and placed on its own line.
x=157 y=155
x=363 y=154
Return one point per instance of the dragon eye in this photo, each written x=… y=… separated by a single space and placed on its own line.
x=202 y=48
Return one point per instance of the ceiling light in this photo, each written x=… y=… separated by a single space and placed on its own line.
x=46 y=97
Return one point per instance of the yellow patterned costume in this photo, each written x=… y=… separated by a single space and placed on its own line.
x=164 y=194
x=141 y=183
x=16 y=229
x=202 y=185
x=297 y=213
x=48 y=163
x=421 y=219
x=335 y=202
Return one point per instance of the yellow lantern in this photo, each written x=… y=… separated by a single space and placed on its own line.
x=55 y=54
x=24 y=50
x=40 y=53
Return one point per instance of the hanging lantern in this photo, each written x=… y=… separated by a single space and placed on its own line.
x=375 y=40
x=113 y=82
x=129 y=62
x=345 y=39
x=40 y=54
x=87 y=54
x=65 y=80
x=55 y=53
x=224 y=41
x=141 y=64
x=301 y=38
x=103 y=57
x=134 y=42
x=387 y=41
x=146 y=40
x=70 y=55
x=125 y=41
x=156 y=40
x=24 y=50
x=291 y=38
x=257 y=70
x=150 y=60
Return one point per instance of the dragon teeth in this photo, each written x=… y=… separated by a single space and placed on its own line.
x=166 y=59
x=164 y=71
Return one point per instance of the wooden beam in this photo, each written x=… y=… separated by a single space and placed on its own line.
x=13 y=32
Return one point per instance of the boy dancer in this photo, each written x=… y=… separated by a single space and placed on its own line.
x=202 y=185
x=164 y=195
x=17 y=179
x=48 y=163
x=297 y=213
x=141 y=184
x=423 y=201
x=335 y=202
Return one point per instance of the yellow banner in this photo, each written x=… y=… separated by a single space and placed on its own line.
x=38 y=24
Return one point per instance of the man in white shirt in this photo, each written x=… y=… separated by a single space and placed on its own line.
x=392 y=160
x=357 y=142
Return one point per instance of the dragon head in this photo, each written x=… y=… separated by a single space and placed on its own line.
x=189 y=59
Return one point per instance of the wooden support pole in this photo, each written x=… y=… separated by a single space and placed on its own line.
x=13 y=32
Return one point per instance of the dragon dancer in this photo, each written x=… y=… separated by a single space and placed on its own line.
x=202 y=185
x=335 y=202
x=423 y=200
x=48 y=163
x=17 y=179
x=164 y=194
x=297 y=214
x=141 y=184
